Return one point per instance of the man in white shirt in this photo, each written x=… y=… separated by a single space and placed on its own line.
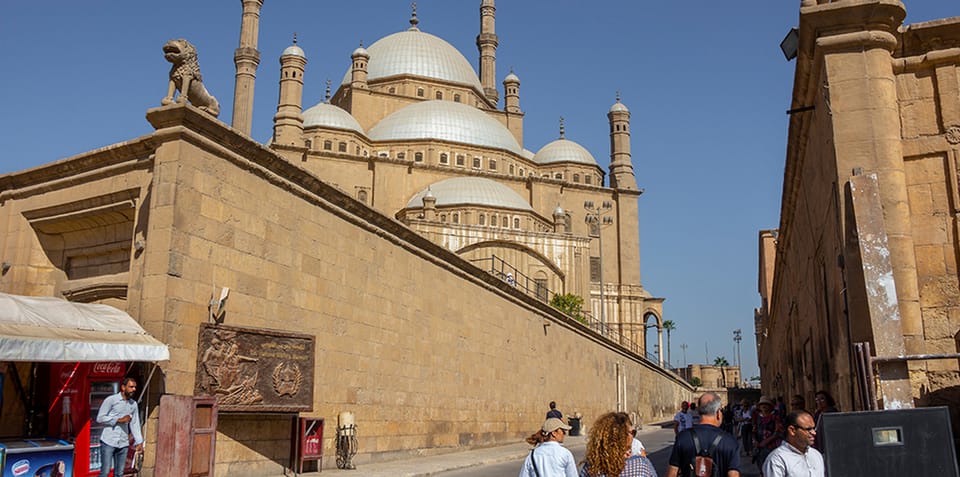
x=796 y=456
x=120 y=414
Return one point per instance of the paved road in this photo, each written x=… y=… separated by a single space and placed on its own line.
x=659 y=443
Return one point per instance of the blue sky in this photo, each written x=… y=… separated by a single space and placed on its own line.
x=705 y=82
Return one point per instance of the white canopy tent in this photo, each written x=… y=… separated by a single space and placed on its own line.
x=42 y=329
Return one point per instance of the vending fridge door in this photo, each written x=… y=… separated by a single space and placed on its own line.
x=99 y=390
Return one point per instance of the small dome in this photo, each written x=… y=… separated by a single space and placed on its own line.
x=564 y=150
x=558 y=212
x=330 y=116
x=511 y=78
x=361 y=51
x=293 y=50
x=447 y=121
x=471 y=191
x=619 y=107
x=414 y=52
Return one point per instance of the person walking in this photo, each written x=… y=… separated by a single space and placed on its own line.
x=609 y=449
x=549 y=458
x=767 y=430
x=554 y=412
x=726 y=450
x=122 y=417
x=796 y=457
x=682 y=420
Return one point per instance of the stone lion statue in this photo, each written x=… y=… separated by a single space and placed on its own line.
x=185 y=77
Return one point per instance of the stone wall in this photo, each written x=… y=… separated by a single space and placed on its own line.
x=430 y=353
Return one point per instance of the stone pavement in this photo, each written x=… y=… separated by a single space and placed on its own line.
x=434 y=464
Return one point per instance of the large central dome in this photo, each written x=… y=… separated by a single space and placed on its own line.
x=446 y=121
x=414 y=52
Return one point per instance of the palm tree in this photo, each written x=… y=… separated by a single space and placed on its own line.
x=721 y=362
x=669 y=325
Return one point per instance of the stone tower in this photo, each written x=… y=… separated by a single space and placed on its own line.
x=621 y=169
x=487 y=44
x=358 y=72
x=246 y=58
x=288 y=122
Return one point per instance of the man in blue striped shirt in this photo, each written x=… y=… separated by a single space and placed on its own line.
x=120 y=414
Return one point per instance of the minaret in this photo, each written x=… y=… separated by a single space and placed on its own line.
x=247 y=58
x=511 y=93
x=487 y=44
x=358 y=72
x=621 y=169
x=288 y=122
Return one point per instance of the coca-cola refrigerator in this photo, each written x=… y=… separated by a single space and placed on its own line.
x=77 y=390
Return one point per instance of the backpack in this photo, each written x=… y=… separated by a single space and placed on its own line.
x=702 y=465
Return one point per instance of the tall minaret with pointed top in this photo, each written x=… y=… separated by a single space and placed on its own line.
x=326 y=96
x=487 y=44
x=621 y=169
x=288 y=122
x=246 y=58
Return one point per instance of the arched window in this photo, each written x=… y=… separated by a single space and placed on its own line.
x=419 y=92
x=456 y=217
x=443 y=217
x=506 y=222
x=511 y=169
x=392 y=90
x=492 y=163
x=460 y=159
x=438 y=95
x=576 y=178
x=558 y=175
x=418 y=157
x=444 y=159
x=483 y=219
x=521 y=172
x=362 y=195
x=327 y=145
x=456 y=97
x=401 y=155
x=588 y=179
x=476 y=162
x=342 y=147
x=493 y=220
x=516 y=222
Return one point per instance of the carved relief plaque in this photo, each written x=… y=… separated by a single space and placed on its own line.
x=255 y=370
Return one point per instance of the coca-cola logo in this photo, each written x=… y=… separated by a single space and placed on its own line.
x=66 y=374
x=107 y=367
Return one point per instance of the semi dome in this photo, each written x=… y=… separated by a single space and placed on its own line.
x=330 y=116
x=447 y=121
x=564 y=150
x=414 y=52
x=471 y=191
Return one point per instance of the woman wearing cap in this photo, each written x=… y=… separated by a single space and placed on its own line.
x=768 y=430
x=549 y=458
x=609 y=450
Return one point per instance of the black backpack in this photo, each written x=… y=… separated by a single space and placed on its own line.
x=703 y=464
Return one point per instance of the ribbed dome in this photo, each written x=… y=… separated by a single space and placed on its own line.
x=414 y=52
x=564 y=150
x=447 y=121
x=330 y=116
x=471 y=191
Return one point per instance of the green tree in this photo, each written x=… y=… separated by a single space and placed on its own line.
x=721 y=362
x=695 y=381
x=570 y=304
x=669 y=325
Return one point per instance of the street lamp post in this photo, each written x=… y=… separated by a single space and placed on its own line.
x=737 y=337
x=684 y=348
x=596 y=215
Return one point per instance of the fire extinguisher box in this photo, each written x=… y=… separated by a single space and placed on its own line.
x=307 y=445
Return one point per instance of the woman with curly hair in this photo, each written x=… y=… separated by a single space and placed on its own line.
x=609 y=450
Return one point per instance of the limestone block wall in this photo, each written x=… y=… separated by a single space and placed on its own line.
x=430 y=353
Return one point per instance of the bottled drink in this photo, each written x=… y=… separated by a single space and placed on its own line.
x=66 y=421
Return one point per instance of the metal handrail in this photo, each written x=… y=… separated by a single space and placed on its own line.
x=510 y=274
